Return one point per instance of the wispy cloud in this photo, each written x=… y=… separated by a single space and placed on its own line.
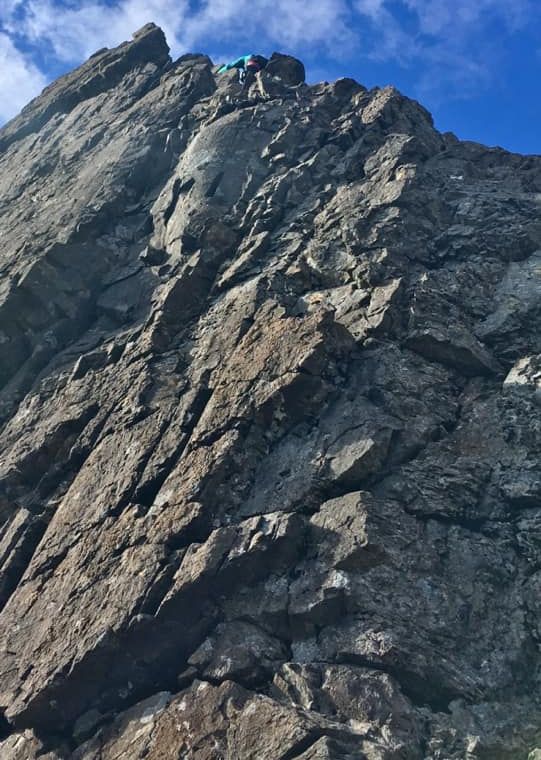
x=325 y=24
x=388 y=39
x=450 y=44
x=20 y=80
x=76 y=31
x=440 y=16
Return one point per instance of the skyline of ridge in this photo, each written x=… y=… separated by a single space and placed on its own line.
x=475 y=67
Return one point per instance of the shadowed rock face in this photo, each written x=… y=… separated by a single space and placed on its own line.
x=270 y=423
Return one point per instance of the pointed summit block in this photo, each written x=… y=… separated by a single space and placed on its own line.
x=289 y=69
x=100 y=73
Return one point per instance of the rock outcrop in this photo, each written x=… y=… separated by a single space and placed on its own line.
x=270 y=423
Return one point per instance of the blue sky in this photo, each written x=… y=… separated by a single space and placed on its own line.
x=475 y=64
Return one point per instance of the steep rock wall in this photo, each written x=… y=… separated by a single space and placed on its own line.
x=270 y=428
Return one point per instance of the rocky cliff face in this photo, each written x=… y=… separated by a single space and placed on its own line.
x=270 y=423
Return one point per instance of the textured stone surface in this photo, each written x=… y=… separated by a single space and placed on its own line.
x=270 y=423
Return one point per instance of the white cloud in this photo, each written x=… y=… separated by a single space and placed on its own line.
x=298 y=25
x=77 y=31
x=7 y=7
x=448 y=21
x=390 y=40
x=20 y=80
x=465 y=16
x=451 y=42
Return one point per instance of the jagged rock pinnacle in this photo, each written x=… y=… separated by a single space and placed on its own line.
x=269 y=408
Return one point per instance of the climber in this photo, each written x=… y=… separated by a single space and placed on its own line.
x=249 y=67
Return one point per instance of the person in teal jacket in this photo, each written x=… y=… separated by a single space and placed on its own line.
x=247 y=65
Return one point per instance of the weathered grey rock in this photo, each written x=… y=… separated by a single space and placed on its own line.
x=239 y=652
x=287 y=68
x=270 y=423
